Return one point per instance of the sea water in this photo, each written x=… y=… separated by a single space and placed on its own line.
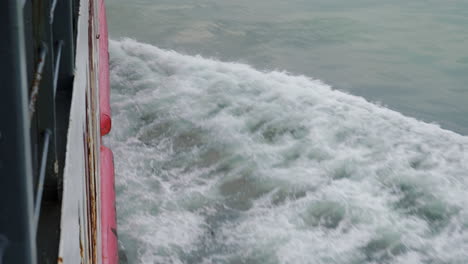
x=222 y=162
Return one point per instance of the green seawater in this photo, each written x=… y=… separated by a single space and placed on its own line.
x=411 y=56
x=240 y=133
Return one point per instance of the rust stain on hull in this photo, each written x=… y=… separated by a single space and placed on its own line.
x=90 y=250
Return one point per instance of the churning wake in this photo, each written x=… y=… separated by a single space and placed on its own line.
x=220 y=163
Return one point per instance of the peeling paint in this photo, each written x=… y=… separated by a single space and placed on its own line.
x=81 y=206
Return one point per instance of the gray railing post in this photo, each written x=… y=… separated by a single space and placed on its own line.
x=17 y=232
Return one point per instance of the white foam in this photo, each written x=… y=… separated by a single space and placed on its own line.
x=220 y=163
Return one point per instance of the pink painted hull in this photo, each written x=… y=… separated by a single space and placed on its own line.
x=104 y=87
x=108 y=213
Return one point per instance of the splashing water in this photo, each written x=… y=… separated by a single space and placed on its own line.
x=220 y=163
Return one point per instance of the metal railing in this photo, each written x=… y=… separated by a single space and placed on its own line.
x=36 y=77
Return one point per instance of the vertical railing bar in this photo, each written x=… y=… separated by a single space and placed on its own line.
x=16 y=180
x=52 y=11
x=40 y=183
x=57 y=64
x=37 y=81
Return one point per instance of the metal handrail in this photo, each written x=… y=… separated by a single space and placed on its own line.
x=58 y=50
x=40 y=183
x=37 y=58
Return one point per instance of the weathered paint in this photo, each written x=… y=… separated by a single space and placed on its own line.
x=93 y=136
x=80 y=240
